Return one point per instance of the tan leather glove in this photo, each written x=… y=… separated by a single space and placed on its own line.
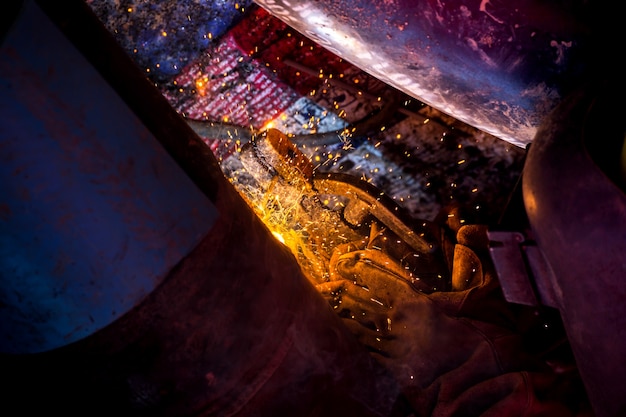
x=449 y=359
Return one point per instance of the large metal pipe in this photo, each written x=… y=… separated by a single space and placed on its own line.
x=134 y=279
x=498 y=66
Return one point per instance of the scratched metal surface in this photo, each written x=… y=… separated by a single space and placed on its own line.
x=235 y=64
x=499 y=66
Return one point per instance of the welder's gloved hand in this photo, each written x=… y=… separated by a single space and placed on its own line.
x=451 y=351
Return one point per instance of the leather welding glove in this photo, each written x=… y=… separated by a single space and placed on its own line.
x=450 y=351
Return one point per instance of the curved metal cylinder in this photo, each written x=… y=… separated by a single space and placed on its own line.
x=577 y=213
x=498 y=66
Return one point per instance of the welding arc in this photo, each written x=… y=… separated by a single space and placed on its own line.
x=228 y=131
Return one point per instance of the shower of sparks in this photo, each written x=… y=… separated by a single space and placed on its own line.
x=308 y=227
x=260 y=74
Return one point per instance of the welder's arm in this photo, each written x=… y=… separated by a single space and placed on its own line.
x=448 y=361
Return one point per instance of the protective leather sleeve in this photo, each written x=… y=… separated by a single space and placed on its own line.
x=452 y=351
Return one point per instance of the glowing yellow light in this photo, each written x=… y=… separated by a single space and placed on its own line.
x=164 y=33
x=129 y=10
x=201 y=84
x=279 y=237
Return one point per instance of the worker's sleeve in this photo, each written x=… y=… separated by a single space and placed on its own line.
x=448 y=349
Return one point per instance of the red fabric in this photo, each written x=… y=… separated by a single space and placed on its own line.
x=269 y=40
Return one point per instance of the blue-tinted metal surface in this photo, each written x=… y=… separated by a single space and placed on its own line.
x=93 y=212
